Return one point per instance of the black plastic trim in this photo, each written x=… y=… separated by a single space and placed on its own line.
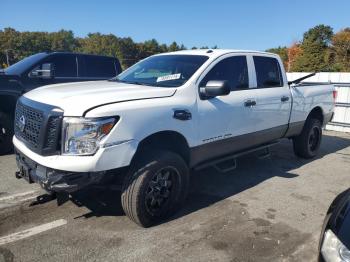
x=182 y=114
x=48 y=112
x=231 y=145
x=54 y=180
x=294 y=129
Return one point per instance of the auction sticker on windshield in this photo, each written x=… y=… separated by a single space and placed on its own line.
x=168 y=77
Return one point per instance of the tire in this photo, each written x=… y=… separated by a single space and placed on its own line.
x=155 y=187
x=307 y=144
x=6 y=133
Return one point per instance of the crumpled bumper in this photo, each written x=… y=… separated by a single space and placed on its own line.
x=54 y=180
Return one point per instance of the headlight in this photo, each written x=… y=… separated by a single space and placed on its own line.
x=333 y=249
x=82 y=136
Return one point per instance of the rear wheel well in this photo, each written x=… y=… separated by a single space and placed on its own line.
x=316 y=113
x=166 y=140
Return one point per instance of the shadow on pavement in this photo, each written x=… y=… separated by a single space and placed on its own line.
x=210 y=186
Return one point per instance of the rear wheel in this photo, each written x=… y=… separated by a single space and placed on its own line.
x=307 y=144
x=6 y=133
x=155 y=187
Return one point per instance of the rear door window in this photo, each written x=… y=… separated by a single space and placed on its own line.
x=65 y=65
x=99 y=67
x=232 y=69
x=268 y=72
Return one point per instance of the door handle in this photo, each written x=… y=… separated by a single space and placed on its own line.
x=182 y=114
x=284 y=98
x=250 y=103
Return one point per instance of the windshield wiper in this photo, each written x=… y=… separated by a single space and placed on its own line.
x=138 y=83
x=131 y=82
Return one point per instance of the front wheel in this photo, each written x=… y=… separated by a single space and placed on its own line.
x=307 y=144
x=155 y=187
x=6 y=133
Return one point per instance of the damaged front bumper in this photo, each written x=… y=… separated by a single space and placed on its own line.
x=54 y=180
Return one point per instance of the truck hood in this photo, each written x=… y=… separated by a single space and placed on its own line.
x=76 y=98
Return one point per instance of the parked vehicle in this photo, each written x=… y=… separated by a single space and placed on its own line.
x=335 y=236
x=44 y=69
x=162 y=117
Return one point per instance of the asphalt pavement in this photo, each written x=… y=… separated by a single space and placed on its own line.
x=268 y=209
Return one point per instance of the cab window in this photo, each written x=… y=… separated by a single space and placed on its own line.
x=233 y=69
x=96 y=66
x=268 y=72
x=63 y=65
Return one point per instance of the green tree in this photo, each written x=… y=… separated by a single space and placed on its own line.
x=9 y=44
x=17 y=45
x=315 y=46
x=96 y=43
x=62 y=41
x=127 y=52
x=173 y=47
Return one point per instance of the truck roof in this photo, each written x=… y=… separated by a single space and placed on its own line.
x=217 y=52
x=74 y=53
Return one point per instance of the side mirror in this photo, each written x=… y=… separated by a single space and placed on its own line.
x=215 y=88
x=45 y=71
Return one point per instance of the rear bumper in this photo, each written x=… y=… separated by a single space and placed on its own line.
x=54 y=180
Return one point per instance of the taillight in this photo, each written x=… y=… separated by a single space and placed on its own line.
x=335 y=94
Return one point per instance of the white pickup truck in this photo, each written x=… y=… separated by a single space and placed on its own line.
x=159 y=119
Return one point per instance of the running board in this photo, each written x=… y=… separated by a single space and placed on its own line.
x=263 y=153
x=229 y=162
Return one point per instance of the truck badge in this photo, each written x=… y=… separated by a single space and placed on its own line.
x=21 y=123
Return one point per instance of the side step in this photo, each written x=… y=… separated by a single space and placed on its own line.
x=229 y=162
x=263 y=153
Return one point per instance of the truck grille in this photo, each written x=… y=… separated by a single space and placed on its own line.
x=32 y=125
x=38 y=126
x=53 y=125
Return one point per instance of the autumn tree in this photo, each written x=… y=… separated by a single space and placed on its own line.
x=341 y=50
x=294 y=52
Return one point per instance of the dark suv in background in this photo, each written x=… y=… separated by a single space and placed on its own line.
x=45 y=69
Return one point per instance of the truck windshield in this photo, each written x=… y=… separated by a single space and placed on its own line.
x=23 y=65
x=162 y=70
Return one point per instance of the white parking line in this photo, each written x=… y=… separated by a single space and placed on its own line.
x=19 y=195
x=32 y=231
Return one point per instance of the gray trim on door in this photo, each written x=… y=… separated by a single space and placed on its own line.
x=231 y=145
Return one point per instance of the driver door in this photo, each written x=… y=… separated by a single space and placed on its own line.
x=226 y=123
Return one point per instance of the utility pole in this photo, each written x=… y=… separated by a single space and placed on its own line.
x=7 y=57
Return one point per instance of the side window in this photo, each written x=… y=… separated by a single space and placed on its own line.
x=268 y=72
x=99 y=67
x=64 y=65
x=233 y=69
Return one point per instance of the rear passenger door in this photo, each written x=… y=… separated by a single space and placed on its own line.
x=273 y=98
x=97 y=67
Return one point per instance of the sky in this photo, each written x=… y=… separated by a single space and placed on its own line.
x=246 y=24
